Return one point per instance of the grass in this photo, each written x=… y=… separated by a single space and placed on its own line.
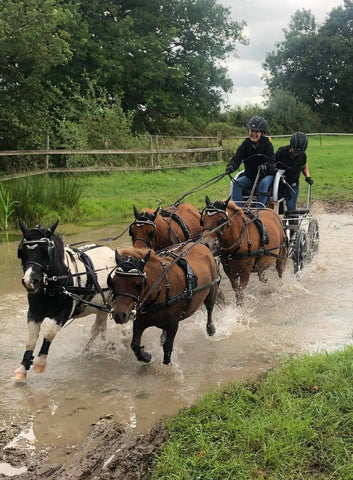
x=109 y=198
x=295 y=423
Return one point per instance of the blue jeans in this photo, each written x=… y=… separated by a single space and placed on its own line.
x=292 y=203
x=246 y=183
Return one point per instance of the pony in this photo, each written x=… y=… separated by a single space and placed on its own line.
x=162 y=289
x=62 y=283
x=158 y=229
x=246 y=241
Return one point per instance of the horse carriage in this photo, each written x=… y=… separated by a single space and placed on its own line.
x=64 y=282
x=301 y=226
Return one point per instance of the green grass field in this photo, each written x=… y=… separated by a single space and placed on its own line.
x=111 y=197
x=108 y=198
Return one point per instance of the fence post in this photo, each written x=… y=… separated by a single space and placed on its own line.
x=220 y=143
x=151 y=147
x=46 y=158
x=157 y=148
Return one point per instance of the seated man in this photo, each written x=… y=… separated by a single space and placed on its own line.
x=292 y=158
x=257 y=153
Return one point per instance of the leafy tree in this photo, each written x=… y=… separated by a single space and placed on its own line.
x=162 y=57
x=34 y=38
x=286 y=114
x=315 y=64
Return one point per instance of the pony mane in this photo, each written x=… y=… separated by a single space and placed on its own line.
x=232 y=207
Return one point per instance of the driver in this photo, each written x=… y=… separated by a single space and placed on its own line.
x=256 y=151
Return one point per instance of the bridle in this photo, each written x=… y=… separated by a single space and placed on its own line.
x=32 y=245
x=129 y=267
x=140 y=223
x=223 y=221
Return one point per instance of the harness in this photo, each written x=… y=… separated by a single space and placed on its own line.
x=178 y=220
x=81 y=295
x=191 y=280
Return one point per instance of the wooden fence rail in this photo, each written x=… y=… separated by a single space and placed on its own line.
x=153 y=153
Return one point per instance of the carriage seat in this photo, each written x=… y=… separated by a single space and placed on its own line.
x=275 y=194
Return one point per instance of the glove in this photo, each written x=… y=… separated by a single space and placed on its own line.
x=309 y=180
x=229 y=169
x=262 y=167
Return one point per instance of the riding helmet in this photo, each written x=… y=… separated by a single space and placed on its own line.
x=299 y=142
x=257 y=123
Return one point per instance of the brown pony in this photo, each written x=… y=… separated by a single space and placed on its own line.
x=160 y=290
x=163 y=227
x=247 y=241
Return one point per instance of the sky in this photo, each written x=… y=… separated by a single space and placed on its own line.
x=265 y=20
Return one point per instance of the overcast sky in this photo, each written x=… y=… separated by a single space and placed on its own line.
x=265 y=23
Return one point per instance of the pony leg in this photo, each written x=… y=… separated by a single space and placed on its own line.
x=163 y=337
x=239 y=283
x=20 y=374
x=136 y=343
x=169 y=342
x=50 y=330
x=209 y=303
x=99 y=327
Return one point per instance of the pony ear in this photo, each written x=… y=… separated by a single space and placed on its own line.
x=23 y=227
x=146 y=257
x=136 y=213
x=51 y=229
x=118 y=258
x=227 y=201
x=208 y=201
x=155 y=213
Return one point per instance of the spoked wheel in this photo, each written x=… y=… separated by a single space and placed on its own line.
x=313 y=238
x=300 y=252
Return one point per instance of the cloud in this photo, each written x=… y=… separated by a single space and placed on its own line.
x=265 y=23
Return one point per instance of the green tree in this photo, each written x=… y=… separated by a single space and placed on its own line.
x=162 y=57
x=34 y=38
x=286 y=114
x=315 y=64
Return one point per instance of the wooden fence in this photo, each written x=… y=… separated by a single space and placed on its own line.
x=153 y=154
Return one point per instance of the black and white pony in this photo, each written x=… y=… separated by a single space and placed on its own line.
x=62 y=283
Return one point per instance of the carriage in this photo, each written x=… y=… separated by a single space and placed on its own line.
x=301 y=226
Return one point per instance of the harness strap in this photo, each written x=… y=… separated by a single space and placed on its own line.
x=157 y=307
x=178 y=220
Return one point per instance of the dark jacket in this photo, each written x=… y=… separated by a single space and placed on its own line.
x=248 y=149
x=292 y=166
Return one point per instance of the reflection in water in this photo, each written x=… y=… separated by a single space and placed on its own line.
x=306 y=313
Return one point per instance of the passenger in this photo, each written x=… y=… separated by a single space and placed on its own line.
x=292 y=158
x=256 y=151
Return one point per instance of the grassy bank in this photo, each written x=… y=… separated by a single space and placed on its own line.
x=295 y=423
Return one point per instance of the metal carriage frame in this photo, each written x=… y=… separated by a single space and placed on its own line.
x=301 y=226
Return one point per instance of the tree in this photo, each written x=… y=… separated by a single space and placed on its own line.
x=315 y=64
x=162 y=57
x=286 y=114
x=34 y=38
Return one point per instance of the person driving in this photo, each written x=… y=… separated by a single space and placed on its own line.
x=292 y=158
x=256 y=152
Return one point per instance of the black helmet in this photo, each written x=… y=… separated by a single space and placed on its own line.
x=299 y=142
x=257 y=123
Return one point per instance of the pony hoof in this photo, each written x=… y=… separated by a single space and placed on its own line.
x=20 y=377
x=211 y=330
x=39 y=368
x=145 y=357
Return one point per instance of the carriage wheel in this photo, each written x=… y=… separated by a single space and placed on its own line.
x=300 y=252
x=313 y=234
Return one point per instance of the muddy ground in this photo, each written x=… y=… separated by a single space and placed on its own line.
x=110 y=452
